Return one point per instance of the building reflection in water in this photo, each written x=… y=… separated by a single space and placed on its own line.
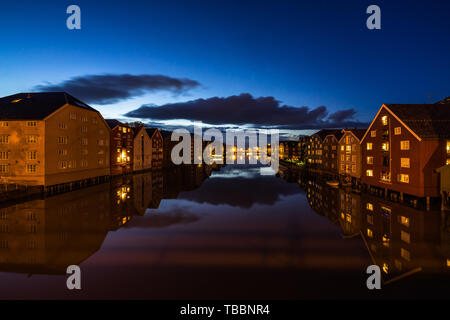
x=401 y=240
x=44 y=236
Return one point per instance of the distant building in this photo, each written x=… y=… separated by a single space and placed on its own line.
x=315 y=147
x=122 y=137
x=303 y=148
x=404 y=146
x=330 y=152
x=50 y=139
x=142 y=149
x=289 y=150
x=349 y=156
x=157 y=147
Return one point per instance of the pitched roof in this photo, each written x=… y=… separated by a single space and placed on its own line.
x=151 y=131
x=36 y=106
x=428 y=121
x=112 y=123
x=358 y=133
x=325 y=132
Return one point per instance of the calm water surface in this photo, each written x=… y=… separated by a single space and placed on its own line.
x=202 y=233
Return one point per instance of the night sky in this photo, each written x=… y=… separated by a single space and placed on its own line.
x=289 y=64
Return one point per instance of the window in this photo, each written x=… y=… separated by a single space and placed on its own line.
x=385 y=146
x=369 y=145
x=31 y=139
x=62 y=165
x=404 y=221
x=4 y=139
x=84 y=129
x=124 y=130
x=31 y=123
x=94 y=120
x=84 y=141
x=405 y=254
x=369 y=219
x=62 y=152
x=353 y=168
x=84 y=163
x=62 y=125
x=405 y=236
x=404 y=162
x=4 y=168
x=3 y=123
x=448 y=147
x=369 y=206
x=353 y=158
x=369 y=160
x=403 y=178
x=384 y=120
x=62 y=140
x=373 y=133
x=398 y=131
x=369 y=173
x=101 y=142
x=84 y=119
x=369 y=233
x=342 y=157
x=348 y=148
x=31 y=155
x=73 y=116
x=4 y=155
x=342 y=148
x=404 y=145
x=30 y=168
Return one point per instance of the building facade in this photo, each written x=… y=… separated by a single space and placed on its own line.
x=330 y=152
x=349 y=156
x=51 y=139
x=157 y=147
x=142 y=149
x=315 y=147
x=122 y=138
x=404 y=146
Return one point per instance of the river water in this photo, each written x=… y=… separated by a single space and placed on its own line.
x=197 y=232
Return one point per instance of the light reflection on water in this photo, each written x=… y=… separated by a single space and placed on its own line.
x=198 y=232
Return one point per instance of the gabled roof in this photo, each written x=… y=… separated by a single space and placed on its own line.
x=151 y=131
x=112 y=123
x=428 y=121
x=36 y=106
x=326 y=132
x=358 y=133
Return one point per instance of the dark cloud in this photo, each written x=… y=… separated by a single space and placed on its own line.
x=245 y=109
x=109 y=88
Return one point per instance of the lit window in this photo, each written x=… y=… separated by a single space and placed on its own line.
x=405 y=236
x=404 y=162
x=385 y=268
x=398 y=131
x=124 y=130
x=63 y=164
x=369 y=160
x=3 y=124
x=369 y=173
x=30 y=168
x=342 y=148
x=403 y=178
x=384 y=120
x=373 y=133
x=405 y=254
x=385 y=146
x=31 y=155
x=404 y=221
x=348 y=148
x=31 y=139
x=4 y=155
x=369 y=145
x=404 y=145
x=4 y=139
x=62 y=140
x=369 y=206
x=31 y=123
x=369 y=233
x=16 y=100
x=4 y=168
x=448 y=147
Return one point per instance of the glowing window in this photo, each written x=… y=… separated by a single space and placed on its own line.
x=403 y=178
x=373 y=133
x=398 y=131
x=404 y=162
x=369 y=145
x=369 y=173
x=385 y=146
x=404 y=145
x=369 y=233
x=404 y=221
x=369 y=160
x=384 y=120
x=369 y=206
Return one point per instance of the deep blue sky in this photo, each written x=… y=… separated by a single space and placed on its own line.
x=302 y=53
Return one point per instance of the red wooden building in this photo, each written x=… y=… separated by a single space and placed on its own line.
x=404 y=146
